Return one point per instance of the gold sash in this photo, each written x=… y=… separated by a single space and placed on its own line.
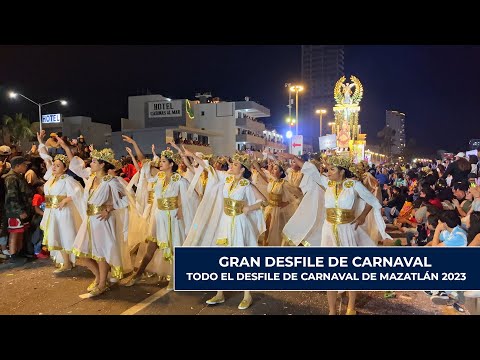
x=52 y=201
x=338 y=216
x=169 y=203
x=233 y=207
x=94 y=210
x=151 y=196
x=274 y=199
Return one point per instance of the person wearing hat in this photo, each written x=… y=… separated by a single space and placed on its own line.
x=5 y=153
x=18 y=199
x=100 y=238
x=63 y=212
x=240 y=219
x=459 y=169
x=343 y=220
x=52 y=141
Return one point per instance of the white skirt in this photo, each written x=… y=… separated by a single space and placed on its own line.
x=347 y=235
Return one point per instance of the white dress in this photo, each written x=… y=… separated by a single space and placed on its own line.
x=239 y=230
x=60 y=227
x=166 y=230
x=97 y=239
x=209 y=213
x=348 y=199
x=305 y=226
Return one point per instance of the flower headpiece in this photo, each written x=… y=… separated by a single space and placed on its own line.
x=361 y=168
x=169 y=154
x=63 y=159
x=281 y=164
x=117 y=164
x=343 y=161
x=243 y=159
x=106 y=155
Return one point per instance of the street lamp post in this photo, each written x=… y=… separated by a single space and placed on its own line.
x=297 y=89
x=287 y=85
x=321 y=112
x=331 y=124
x=13 y=95
x=290 y=123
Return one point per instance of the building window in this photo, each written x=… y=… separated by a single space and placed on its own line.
x=203 y=113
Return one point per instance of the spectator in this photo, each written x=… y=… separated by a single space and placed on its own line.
x=393 y=207
x=34 y=173
x=38 y=204
x=5 y=153
x=18 y=198
x=462 y=204
x=52 y=141
x=448 y=231
x=459 y=169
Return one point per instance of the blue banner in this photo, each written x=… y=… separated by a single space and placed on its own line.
x=324 y=268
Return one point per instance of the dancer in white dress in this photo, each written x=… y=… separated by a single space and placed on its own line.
x=344 y=212
x=101 y=235
x=241 y=222
x=63 y=199
x=173 y=211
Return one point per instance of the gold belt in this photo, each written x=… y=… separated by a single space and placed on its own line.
x=94 y=209
x=340 y=216
x=233 y=207
x=170 y=203
x=151 y=196
x=52 y=201
x=274 y=199
x=336 y=216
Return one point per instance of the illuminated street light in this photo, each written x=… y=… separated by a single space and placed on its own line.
x=321 y=112
x=13 y=95
x=296 y=89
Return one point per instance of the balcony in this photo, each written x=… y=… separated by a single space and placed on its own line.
x=207 y=150
x=276 y=145
x=252 y=108
x=250 y=139
x=249 y=124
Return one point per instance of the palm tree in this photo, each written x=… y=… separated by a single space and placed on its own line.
x=386 y=134
x=19 y=129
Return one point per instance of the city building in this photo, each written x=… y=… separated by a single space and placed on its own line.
x=396 y=121
x=155 y=119
x=207 y=125
x=239 y=122
x=94 y=133
x=322 y=66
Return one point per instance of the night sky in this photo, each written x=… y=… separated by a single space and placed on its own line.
x=436 y=86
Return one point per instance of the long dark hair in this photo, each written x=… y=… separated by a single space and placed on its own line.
x=175 y=166
x=348 y=173
x=107 y=166
x=247 y=173
x=474 y=228
x=463 y=164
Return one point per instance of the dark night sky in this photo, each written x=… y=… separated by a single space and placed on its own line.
x=434 y=85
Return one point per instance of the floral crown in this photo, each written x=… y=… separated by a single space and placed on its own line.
x=243 y=159
x=281 y=164
x=169 y=154
x=343 y=161
x=106 y=155
x=117 y=164
x=361 y=168
x=63 y=159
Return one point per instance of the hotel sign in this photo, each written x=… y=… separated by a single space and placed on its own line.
x=160 y=109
